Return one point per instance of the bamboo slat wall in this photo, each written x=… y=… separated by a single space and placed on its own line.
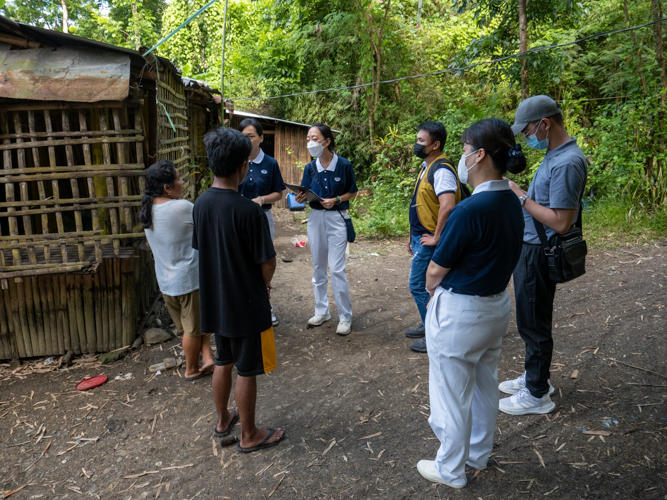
x=173 y=140
x=291 y=153
x=83 y=313
x=70 y=185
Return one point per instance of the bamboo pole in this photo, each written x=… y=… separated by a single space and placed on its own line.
x=87 y=158
x=128 y=302
x=18 y=326
x=80 y=320
x=97 y=297
x=39 y=315
x=79 y=207
x=131 y=198
x=53 y=316
x=120 y=152
x=69 y=153
x=54 y=184
x=9 y=188
x=118 y=311
x=23 y=186
x=83 y=133
x=71 y=310
x=40 y=186
x=109 y=264
x=104 y=305
x=49 y=330
x=30 y=315
x=25 y=328
x=78 y=168
x=72 y=142
x=10 y=321
x=5 y=348
x=89 y=313
x=106 y=155
x=63 y=317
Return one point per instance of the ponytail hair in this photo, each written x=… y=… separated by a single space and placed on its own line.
x=496 y=138
x=158 y=174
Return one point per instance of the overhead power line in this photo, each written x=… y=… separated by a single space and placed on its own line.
x=455 y=70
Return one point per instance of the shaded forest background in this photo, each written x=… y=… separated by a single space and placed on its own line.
x=612 y=89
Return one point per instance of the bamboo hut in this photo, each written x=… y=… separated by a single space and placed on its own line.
x=79 y=123
x=284 y=140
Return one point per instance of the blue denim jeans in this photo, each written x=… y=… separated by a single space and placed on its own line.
x=421 y=258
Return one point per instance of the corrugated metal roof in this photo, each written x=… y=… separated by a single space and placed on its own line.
x=59 y=39
x=270 y=118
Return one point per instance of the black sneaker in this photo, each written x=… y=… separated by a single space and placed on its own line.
x=418 y=332
x=419 y=345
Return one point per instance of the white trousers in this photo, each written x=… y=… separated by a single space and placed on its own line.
x=327 y=236
x=464 y=335
x=272 y=226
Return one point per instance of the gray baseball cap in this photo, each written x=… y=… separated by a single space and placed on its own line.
x=533 y=109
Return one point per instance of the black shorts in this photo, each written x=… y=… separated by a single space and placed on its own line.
x=252 y=355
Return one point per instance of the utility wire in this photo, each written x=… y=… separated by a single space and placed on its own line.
x=455 y=70
x=183 y=25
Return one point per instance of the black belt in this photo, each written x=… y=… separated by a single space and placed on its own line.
x=462 y=292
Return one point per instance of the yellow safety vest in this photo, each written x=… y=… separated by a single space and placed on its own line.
x=425 y=199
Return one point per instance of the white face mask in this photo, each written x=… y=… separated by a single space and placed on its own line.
x=315 y=149
x=463 y=168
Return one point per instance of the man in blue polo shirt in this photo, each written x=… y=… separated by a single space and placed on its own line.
x=553 y=200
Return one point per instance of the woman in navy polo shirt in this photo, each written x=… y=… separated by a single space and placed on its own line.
x=332 y=178
x=264 y=183
x=470 y=309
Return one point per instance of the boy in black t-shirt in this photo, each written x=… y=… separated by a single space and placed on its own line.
x=236 y=263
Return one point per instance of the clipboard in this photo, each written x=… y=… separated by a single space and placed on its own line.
x=310 y=196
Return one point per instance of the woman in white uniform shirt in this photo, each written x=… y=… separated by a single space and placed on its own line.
x=469 y=310
x=332 y=178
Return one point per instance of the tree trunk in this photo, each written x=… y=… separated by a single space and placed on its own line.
x=523 y=47
x=640 y=64
x=137 y=31
x=660 y=58
x=65 y=16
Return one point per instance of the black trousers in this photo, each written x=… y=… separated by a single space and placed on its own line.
x=534 y=295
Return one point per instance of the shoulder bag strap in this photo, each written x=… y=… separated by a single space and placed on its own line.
x=539 y=227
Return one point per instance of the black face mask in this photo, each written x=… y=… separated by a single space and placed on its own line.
x=419 y=151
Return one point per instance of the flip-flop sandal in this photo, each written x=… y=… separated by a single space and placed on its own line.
x=219 y=434
x=197 y=377
x=166 y=364
x=261 y=445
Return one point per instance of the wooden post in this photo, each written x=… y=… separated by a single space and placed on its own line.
x=106 y=321
x=54 y=183
x=13 y=328
x=40 y=185
x=56 y=329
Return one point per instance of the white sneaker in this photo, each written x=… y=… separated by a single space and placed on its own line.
x=274 y=320
x=514 y=386
x=427 y=469
x=317 y=320
x=524 y=403
x=344 y=328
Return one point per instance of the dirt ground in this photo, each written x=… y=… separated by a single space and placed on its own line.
x=355 y=408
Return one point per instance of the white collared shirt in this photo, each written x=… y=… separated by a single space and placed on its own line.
x=258 y=159
x=330 y=168
x=501 y=185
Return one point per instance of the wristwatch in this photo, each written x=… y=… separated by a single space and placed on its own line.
x=523 y=199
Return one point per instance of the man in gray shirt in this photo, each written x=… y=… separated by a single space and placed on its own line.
x=553 y=200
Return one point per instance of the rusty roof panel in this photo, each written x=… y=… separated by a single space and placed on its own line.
x=64 y=74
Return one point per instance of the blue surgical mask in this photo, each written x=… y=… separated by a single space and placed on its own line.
x=533 y=142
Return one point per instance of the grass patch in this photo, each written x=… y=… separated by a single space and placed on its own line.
x=612 y=222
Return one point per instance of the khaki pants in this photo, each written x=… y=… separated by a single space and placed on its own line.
x=184 y=312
